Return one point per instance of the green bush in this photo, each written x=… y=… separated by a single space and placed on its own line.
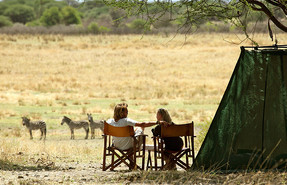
x=5 y=21
x=51 y=16
x=137 y=25
x=20 y=13
x=34 y=23
x=70 y=16
x=94 y=28
x=104 y=29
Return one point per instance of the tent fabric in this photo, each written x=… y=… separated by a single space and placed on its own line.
x=249 y=129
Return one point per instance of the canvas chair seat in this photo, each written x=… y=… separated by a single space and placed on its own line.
x=185 y=130
x=118 y=156
x=149 y=147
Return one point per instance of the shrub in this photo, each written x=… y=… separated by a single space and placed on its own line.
x=51 y=16
x=70 y=16
x=5 y=21
x=20 y=13
x=137 y=25
x=104 y=29
x=34 y=23
x=94 y=28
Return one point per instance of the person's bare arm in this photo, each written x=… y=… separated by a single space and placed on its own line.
x=149 y=124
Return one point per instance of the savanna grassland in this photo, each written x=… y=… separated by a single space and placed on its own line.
x=45 y=77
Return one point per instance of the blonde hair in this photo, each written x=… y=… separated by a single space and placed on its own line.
x=119 y=111
x=165 y=115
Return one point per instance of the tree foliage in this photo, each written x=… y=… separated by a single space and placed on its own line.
x=20 y=13
x=70 y=16
x=122 y=16
x=269 y=8
x=5 y=21
x=41 y=5
x=138 y=25
x=192 y=12
x=117 y=16
x=51 y=16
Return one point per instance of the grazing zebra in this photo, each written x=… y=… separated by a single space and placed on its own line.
x=35 y=125
x=94 y=125
x=76 y=125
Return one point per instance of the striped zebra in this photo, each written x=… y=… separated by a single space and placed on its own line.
x=35 y=125
x=76 y=125
x=98 y=124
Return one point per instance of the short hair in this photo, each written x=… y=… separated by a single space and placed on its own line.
x=165 y=115
x=119 y=111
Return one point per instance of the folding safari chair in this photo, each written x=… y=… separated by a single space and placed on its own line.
x=185 y=130
x=117 y=156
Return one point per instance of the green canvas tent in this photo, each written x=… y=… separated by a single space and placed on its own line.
x=249 y=129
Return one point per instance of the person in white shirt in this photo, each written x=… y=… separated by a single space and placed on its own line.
x=121 y=120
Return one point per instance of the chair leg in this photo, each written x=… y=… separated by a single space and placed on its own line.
x=113 y=161
x=143 y=153
x=149 y=162
x=104 y=162
x=186 y=157
x=155 y=154
x=105 y=153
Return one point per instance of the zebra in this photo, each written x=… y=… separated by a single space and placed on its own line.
x=76 y=125
x=94 y=125
x=35 y=125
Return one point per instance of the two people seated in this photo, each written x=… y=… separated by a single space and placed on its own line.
x=120 y=119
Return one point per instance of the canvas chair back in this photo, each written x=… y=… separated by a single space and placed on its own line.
x=177 y=130
x=110 y=130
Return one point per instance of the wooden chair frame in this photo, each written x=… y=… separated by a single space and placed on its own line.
x=122 y=156
x=185 y=130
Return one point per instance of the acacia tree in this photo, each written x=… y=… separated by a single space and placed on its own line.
x=191 y=13
x=268 y=7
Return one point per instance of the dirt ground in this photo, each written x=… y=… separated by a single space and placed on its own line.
x=64 y=173
x=91 y=173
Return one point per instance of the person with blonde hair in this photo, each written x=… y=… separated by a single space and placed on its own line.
x=172 y=144
x=121 y=119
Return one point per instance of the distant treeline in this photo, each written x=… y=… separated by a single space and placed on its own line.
x=94 y=17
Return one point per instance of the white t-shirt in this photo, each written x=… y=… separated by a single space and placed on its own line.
x=122 y=143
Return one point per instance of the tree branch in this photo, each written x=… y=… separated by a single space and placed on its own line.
x=278 y=4
x=264 y=9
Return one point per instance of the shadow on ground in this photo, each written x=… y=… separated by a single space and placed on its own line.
x=9 y=166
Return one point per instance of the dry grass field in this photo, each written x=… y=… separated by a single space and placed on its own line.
x=46 y=77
